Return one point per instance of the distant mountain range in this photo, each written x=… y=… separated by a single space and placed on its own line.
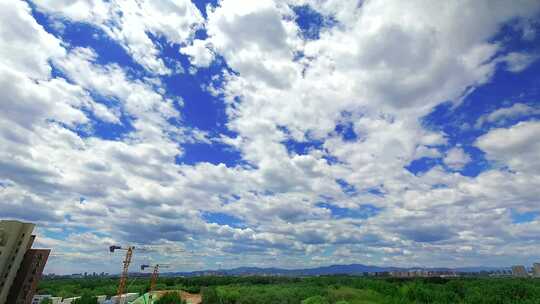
x=352 y=269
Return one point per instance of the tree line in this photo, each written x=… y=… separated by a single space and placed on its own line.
x=318 y=290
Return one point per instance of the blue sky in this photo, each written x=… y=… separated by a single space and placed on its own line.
x=291 y=133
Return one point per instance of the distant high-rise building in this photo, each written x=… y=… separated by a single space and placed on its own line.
x=20 y=266
x=519 y=271
x=15 y=238
x=536 y=270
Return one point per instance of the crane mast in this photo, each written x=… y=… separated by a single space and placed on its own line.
x=153 y=279
x=124 y=276
x=155 y=274
x=125 y=270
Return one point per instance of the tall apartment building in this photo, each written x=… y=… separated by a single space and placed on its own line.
x=519 y=271
x=15 y=239
x=536 y=270
x=25 y=284
x=20 y=266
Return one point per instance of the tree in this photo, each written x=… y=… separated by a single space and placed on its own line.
x=315 y=300
x=46 y=301
x=170 y=298
x=210 y=295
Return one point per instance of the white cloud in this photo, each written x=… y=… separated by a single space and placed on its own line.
x=423 y=151
x=76 y=10
x=517 y=147
x=379 y=70
x=517 y=62
x=138 y=97
x=435 y=62
x=255 y=40
x=386 y=92
x=501 y=115
x=27 y=102
x=131 y=22
x=21 y=36
x=199 y=52
x=456 y=158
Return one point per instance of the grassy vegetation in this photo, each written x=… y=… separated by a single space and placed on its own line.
x=322 y=290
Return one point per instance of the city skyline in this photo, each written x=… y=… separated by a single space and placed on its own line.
x=291 y=134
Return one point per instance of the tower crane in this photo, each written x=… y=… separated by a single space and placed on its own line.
x=125 y=269
x=155 y=275
x=127 y=261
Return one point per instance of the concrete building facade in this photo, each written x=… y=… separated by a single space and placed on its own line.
x=125 y=298
x=536 y=270
x=38 y=298
x=25 y=284
x=15 y=239
x=69 y=300
x=519 y=271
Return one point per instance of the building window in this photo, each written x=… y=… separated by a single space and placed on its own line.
x=3 y=237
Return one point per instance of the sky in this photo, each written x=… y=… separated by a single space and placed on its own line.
x=290 y=133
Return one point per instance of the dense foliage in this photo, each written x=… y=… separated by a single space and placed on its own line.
x=354 y=290
x=170 y=298
x=65 y=287
x=322 y=290
x=86 y=299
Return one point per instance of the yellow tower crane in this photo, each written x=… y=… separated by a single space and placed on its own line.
x=127 y=261
x=154 y=277
x=125 y=269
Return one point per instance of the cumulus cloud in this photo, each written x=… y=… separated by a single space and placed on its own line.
x=200 y=54
x=131 y=23
x=516 y=147
x=354 y=99
x=501 y=115
x=456 y=158
x=21 y=36
x=517 y=62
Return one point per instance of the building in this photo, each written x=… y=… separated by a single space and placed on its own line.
x=20 y=266
x=125 y=298
x=25 y=284
x=38 y=298
x=69 y=300
x=15 y=239
x=536 y=270
x=519 y=271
